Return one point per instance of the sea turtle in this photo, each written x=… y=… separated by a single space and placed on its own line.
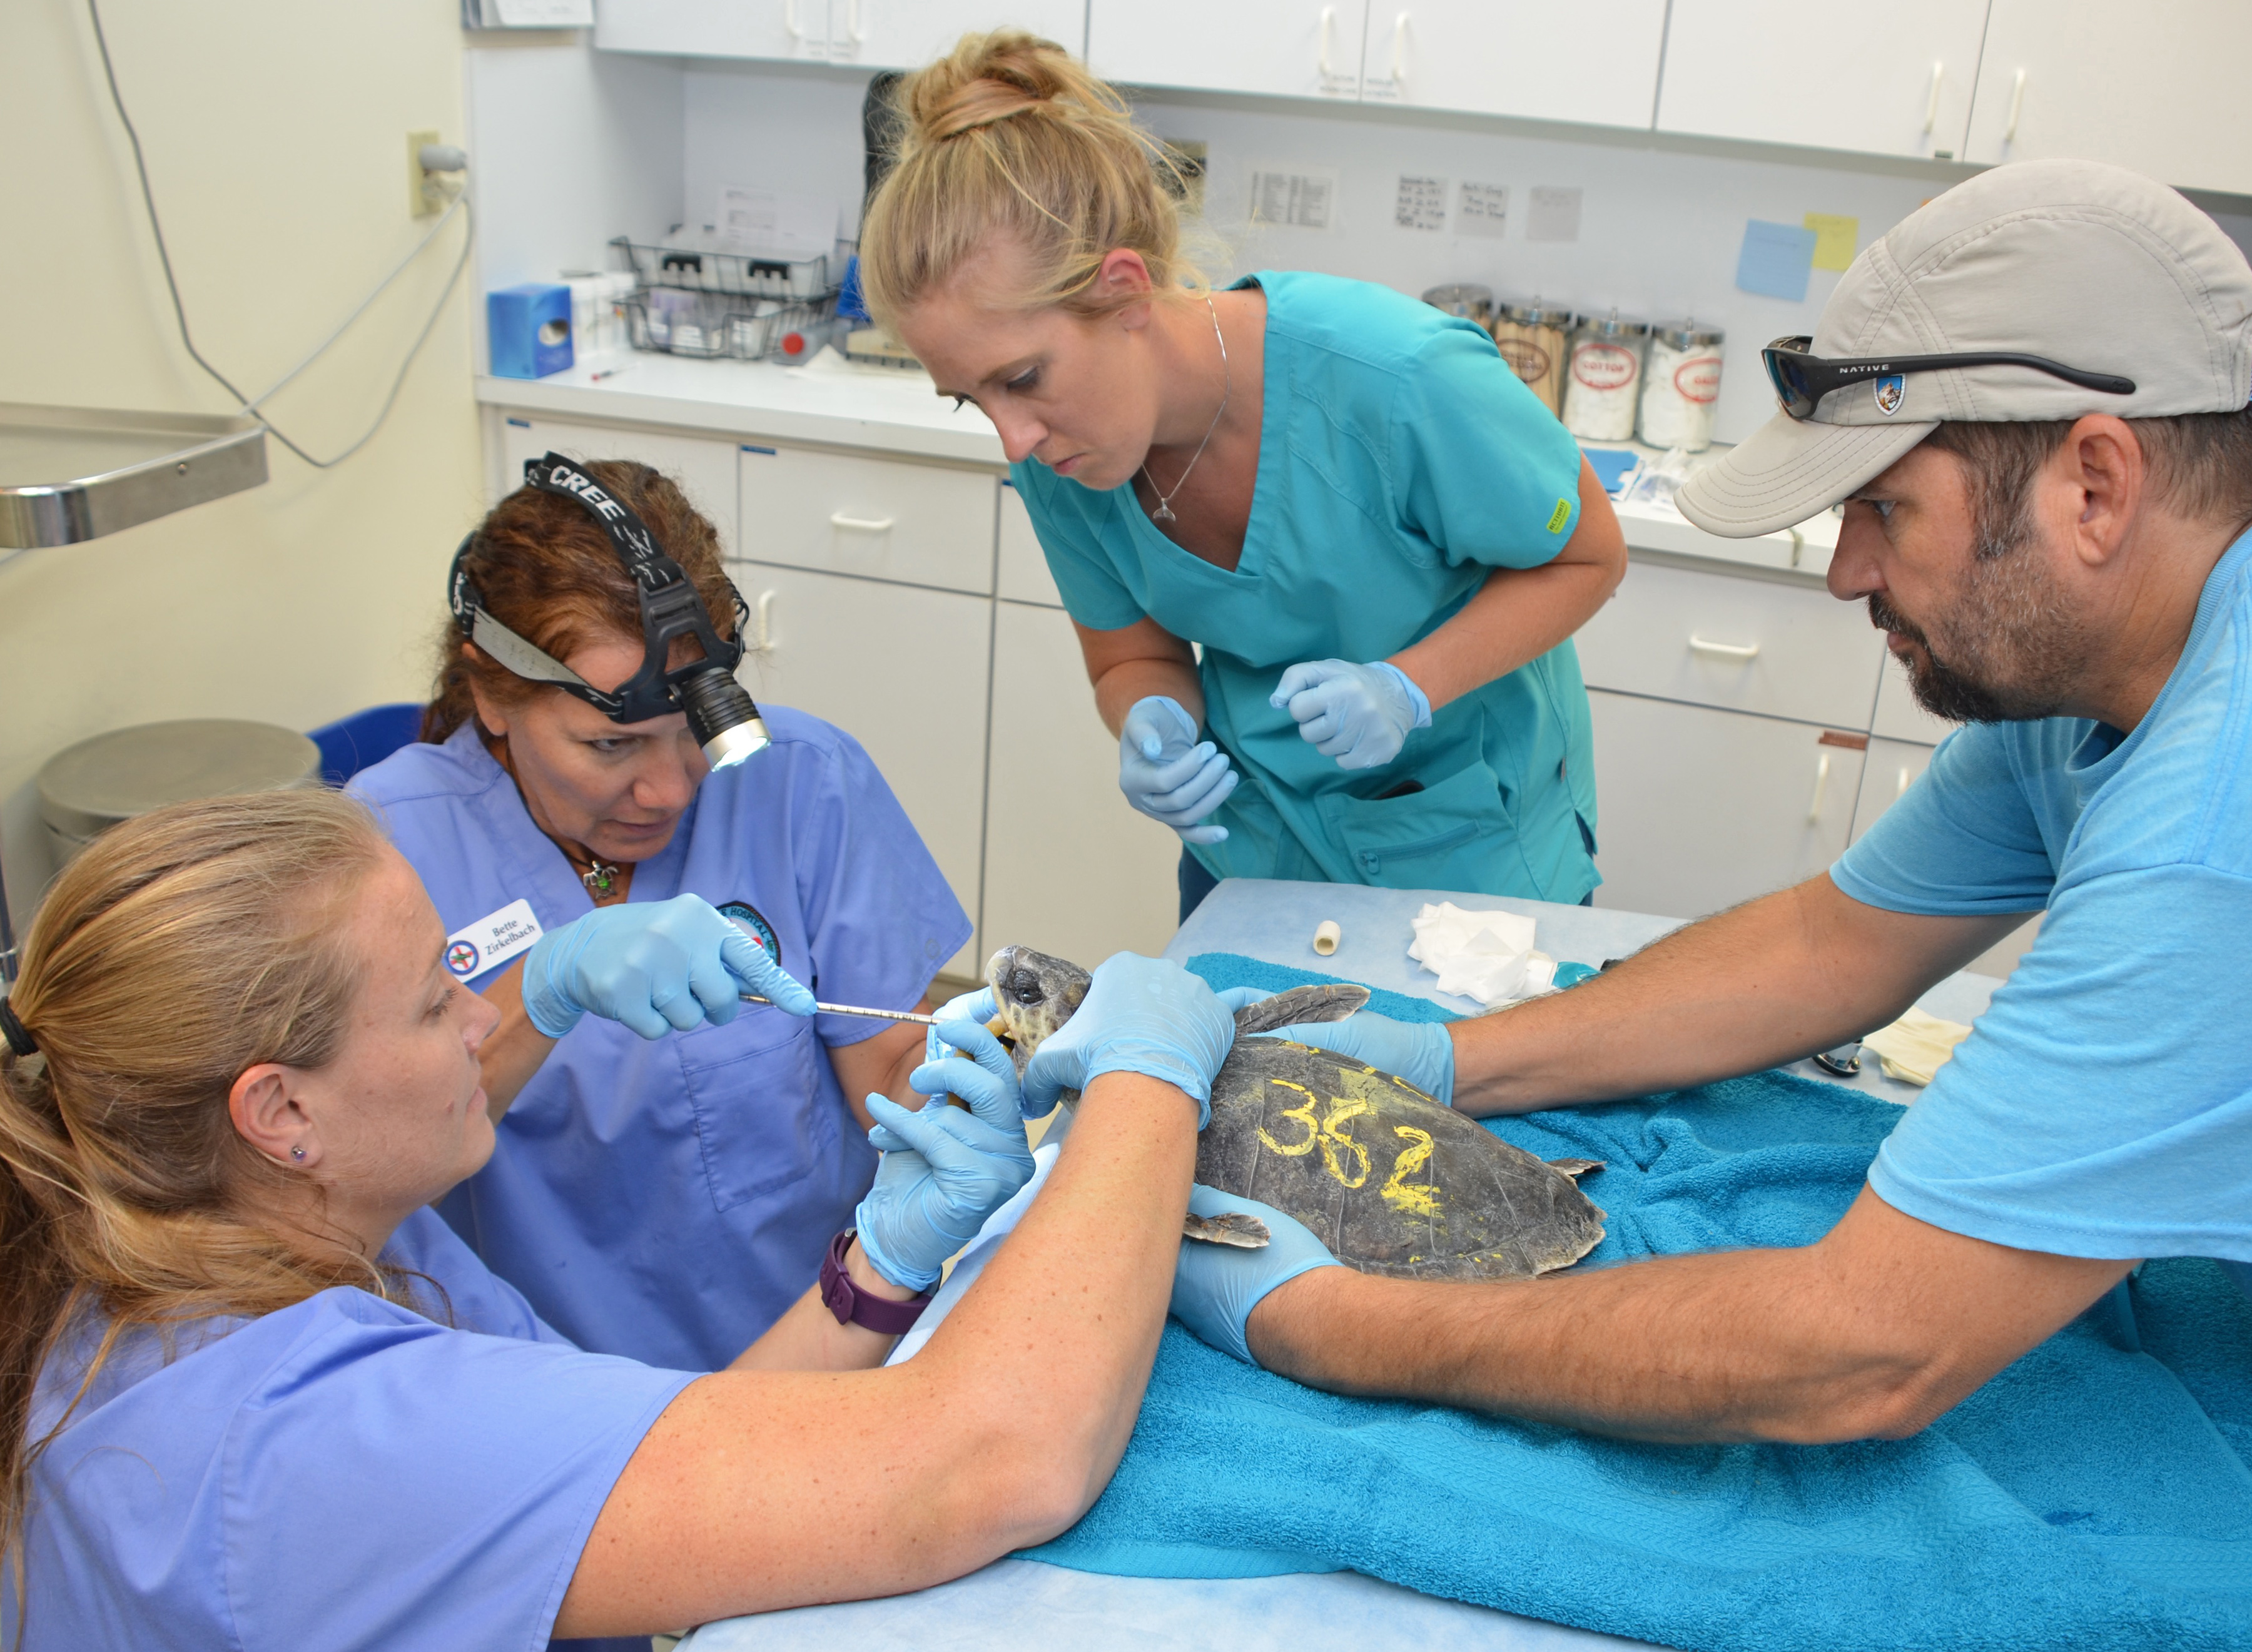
x=1390 y=1180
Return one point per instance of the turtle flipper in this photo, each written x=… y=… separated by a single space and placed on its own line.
x=1332 y=1002
x=1229 y=1227
x=1574 y=1168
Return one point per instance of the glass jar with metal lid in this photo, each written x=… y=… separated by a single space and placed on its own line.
x=1462 y=298
x=1603 y=379
x=1534 y=338
x=1681 y=386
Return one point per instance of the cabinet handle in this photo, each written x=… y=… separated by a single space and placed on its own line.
x=789 y=20
x=1723 y=650
x=852 y=22
x=1400 y=49
x=1329 y=23
x=1821 y=785
x=860 y=524
x=1931 y=109
x=765 y=642
x=1900 y=790
x=2017 y=105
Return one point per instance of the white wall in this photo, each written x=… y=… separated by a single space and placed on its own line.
x=276 y=133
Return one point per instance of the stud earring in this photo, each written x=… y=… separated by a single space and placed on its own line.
x=296 y=1153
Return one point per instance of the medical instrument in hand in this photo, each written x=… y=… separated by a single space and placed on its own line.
x=1164 y=513
x=857 y=1010
x=720 y=714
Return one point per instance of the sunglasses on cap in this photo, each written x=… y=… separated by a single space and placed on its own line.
x=1801 y=379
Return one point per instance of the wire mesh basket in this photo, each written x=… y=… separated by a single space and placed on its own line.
x=704 y=264
x=674 y=321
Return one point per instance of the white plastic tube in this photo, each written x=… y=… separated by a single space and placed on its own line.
x=1326 y=937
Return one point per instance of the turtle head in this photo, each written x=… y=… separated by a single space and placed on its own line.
x=1035 y=995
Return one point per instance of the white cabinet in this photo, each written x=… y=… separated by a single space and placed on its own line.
x=906 y=34
x=1069 y=868
x=703 y=468
x=1471 y=55
x=1891 y=767
x=785 y=29
x=1899 y=718
x=2159 y=87
x=877 y=518
x=1745 y=644
x=905 y=672
x=1840 y=74
x=1021 y=571
x=1703 y=809
x=1286 y=48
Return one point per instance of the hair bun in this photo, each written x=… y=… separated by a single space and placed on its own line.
x=996 y=76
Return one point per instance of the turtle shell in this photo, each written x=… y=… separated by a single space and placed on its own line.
x=1390 y=1180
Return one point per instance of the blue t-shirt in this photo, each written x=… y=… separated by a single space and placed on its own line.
x=2102 y=1105
x=344 y=1472
x=666 y=1199
x=1401 y=461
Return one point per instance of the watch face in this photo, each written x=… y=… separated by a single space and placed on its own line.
x=752 y=922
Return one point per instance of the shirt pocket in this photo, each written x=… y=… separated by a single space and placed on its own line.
x=1456 y=833
x=763 y=1119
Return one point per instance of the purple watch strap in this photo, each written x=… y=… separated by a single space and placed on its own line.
x=877 y=1313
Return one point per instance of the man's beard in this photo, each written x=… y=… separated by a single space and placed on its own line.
x=2008 y=653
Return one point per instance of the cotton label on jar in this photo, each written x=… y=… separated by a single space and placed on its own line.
x=1601 y=388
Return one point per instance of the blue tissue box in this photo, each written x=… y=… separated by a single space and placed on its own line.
x=530 y=330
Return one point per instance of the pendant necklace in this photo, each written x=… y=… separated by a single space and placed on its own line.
x=1164 y=513
x=600 y=880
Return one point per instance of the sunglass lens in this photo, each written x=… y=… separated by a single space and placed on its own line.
x=1789 y=377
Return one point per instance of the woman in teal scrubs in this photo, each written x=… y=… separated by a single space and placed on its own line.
x=1381 y=539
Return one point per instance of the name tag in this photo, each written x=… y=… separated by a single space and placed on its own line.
x=493 y=940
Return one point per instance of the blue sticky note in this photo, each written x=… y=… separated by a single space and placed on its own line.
x=1777 y=260
x=1609 y=464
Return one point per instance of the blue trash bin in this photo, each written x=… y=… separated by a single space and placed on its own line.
x=364 y=739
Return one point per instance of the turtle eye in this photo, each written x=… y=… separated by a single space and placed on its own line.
x=1023 y=986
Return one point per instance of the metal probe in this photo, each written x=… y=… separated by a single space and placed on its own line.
x=855 y=1009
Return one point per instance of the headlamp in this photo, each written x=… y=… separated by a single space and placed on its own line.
x=721 y=713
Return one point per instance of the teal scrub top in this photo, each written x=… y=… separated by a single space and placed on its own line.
x=1400 y=460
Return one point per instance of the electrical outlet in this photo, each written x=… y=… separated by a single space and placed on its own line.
x=422 y=200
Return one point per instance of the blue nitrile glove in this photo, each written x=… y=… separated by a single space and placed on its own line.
x=655 y=967
x=1140 y=1015
x=975 y=1007
x=944 y=1172
x=1361 y=715
x=1419 y=1052
x=1167 y=773
x=1215 y=1286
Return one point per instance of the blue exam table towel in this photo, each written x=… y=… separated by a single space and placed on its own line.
x=2098 y=1493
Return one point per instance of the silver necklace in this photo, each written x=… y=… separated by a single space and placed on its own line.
x=1164 y=513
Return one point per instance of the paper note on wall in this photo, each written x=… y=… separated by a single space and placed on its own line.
x=776 y=221
x=1422 y=204
x=1483 y=209
x=1776 y=260
x=1300 y=199
x=1554 y=215
x=1835 y=240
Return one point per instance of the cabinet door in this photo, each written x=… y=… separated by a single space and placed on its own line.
x=877 y=518
x=906 y=34
x=1069 y=868
x=1899 y=718
x=795 y=28
x=1469 y=54
x=1021 y=572
x=705 y=468
x=1704 y=809
x=904 y=672
x=2159 y=87
x=1287 y=48
x=1833 y=75
x=1748 y=645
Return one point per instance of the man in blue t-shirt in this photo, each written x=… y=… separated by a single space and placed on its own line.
x=2032 y=398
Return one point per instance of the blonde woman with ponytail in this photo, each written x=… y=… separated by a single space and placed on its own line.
x=1381 y=540
x=255 y=1392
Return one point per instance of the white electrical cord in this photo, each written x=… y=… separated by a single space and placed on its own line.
x=249 y=405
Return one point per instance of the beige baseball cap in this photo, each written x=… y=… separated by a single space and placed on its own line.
x=2091 y=266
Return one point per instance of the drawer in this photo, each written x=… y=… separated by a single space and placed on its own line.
x=705 y=468
x=1743 y=645
x=1023 y=573
x=1899 y=718
x=874 y=518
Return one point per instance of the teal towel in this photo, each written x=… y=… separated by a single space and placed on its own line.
x=2095 y=1494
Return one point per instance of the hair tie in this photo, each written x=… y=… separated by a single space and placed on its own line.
x=19 y=1038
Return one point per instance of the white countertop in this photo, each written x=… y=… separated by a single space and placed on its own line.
x=833 y=403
